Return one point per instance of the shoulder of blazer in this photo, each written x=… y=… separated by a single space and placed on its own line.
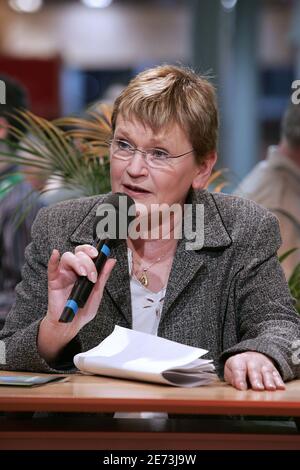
x=65 y=218
x=243 y=219
x=236 y=209
x=73 y=206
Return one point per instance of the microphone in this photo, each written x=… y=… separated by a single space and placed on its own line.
x=113 y=218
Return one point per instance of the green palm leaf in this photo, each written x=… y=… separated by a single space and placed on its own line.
x=286 y=254
x=295 y=288
x=71 y=150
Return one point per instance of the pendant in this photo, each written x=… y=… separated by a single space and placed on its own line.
x=143 y=279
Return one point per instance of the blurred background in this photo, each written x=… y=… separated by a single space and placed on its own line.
x=69 y=53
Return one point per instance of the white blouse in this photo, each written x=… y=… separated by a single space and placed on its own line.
x=146 y=305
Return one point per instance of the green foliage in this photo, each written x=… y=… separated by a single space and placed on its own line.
x=70 y=151
x=294 y=279
x=294 y=285
x=286 y=254
x=217 y=180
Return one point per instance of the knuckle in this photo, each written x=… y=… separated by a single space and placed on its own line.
x=231 y=361
x=237 y=364
x=80 y=254
x=239 y=374
x=67 y=255
x=252 y=365
x=84 y=258
x=276 y=375
x=266 y=369
x=81 y=248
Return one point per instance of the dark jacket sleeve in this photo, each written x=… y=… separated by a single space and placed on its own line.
x=19 y=335
x=266 y=319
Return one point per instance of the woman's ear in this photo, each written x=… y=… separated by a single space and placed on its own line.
x=3 y=127
x=204 y=171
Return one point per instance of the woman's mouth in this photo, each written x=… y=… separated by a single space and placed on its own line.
x=135 y=190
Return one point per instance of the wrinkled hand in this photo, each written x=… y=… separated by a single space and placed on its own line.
x=252 y=368
x=63 y=272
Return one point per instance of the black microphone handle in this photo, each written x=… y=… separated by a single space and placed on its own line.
x=83 y=286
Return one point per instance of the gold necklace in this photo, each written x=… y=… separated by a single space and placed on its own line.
x=143 y=278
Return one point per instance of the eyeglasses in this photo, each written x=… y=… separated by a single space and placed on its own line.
x=154 y=157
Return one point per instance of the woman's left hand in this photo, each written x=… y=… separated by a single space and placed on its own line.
x=252 y=368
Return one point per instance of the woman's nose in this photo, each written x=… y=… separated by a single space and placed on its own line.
x=137 y=165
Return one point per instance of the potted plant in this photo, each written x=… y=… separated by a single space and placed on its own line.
x=70 y=152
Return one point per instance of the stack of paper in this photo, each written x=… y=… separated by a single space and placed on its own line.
x=134 y=355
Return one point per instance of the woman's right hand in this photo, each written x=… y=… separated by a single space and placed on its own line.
x=63 y=271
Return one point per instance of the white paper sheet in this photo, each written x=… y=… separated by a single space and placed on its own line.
x=134 y=355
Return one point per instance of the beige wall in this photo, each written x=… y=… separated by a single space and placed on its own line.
x=275 y=46
x=113 y=37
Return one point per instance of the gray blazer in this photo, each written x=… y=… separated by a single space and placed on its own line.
x=228 y=297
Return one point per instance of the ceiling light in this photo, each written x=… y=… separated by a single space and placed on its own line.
x=228 y=4
x=26 y=6
x=96 y=3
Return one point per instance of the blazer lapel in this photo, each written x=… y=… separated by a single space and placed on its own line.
x=187 y=262
x=118 y=284
x=185 y=265
x=84 y=230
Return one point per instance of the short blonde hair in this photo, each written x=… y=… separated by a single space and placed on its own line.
x=168 y=93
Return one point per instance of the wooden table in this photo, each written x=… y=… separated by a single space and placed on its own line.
x=91 y=394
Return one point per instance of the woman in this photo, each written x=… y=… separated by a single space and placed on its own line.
x=228 y=295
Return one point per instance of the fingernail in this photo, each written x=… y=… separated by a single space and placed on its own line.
x=93 y=277
x=243 y=385
x=93 y=251
x=259 y=384
x=82 y=271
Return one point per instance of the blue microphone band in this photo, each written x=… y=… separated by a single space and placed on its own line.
x=106 y=250
x=72 y=305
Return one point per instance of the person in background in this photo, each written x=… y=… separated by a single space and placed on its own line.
x=16 y=196
x=226 y=293
x=275 y=184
